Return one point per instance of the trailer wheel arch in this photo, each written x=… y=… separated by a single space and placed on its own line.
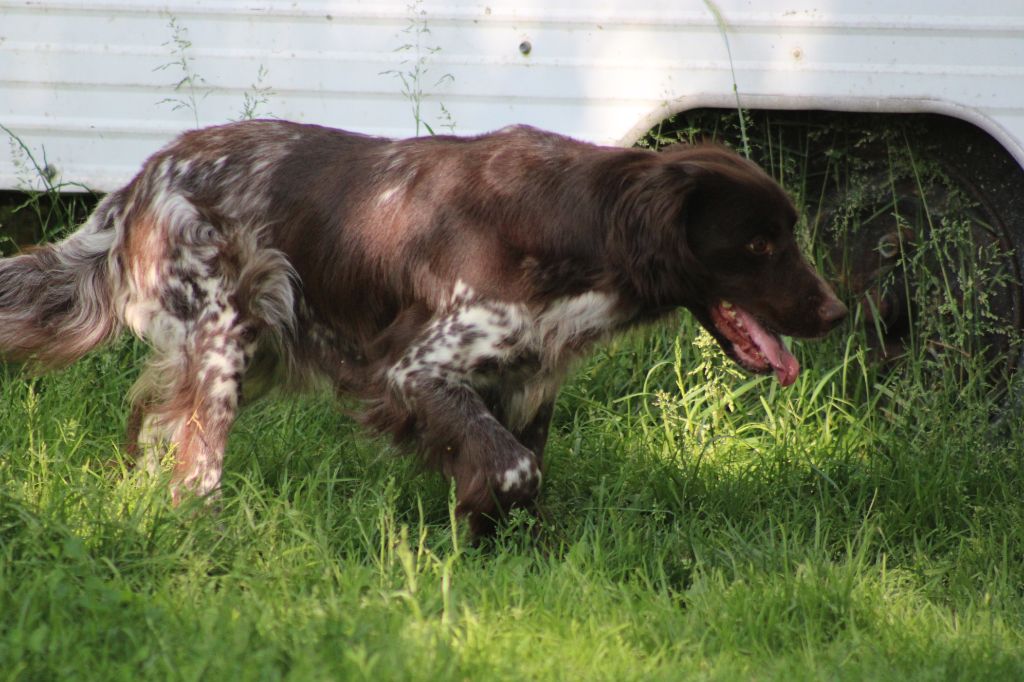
x=978 y=155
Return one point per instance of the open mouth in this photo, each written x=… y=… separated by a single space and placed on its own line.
x=752 y=346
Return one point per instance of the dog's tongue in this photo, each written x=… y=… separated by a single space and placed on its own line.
x=786 y=366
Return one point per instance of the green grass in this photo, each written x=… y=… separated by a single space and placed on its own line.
x=865 y=523
x=852 y=525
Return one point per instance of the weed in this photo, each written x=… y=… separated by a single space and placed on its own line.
x=190 y=85
x=192 y=88
x=741 y=115
x=48 y=205
x=416 y=66
x=256 y=97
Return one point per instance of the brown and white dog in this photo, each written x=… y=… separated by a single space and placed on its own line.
x=447 y=282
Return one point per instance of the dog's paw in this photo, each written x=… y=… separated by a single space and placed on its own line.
x=490 y=485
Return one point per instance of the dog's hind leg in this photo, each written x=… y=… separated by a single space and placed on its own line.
x=149 y=428
x=140 y=442
x=534 y=434
x=204 y=319
x=210 y=400
x=189 y=398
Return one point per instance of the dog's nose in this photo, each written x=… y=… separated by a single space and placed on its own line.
x=832 y=312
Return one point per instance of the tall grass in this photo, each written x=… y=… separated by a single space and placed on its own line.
x=695 y=522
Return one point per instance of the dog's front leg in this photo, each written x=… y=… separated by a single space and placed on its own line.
x=492 y=470
x=432 y=384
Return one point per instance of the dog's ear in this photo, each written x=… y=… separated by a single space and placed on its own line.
x=650 y=235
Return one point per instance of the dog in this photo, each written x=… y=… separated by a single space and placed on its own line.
x=447 y=282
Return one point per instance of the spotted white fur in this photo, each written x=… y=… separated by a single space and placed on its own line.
x=475 y=332
x=524 y=473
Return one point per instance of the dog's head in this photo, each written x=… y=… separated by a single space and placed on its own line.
x=725 y=245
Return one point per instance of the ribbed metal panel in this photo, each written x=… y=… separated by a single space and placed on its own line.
x=93 y=82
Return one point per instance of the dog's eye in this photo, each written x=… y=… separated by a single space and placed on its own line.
x=759 y=246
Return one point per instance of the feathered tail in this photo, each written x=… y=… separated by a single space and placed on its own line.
x=56 y=301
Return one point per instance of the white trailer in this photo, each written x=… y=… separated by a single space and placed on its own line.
x=101 y=84
x=92 y=88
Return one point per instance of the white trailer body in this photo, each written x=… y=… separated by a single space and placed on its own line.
x=97 y=86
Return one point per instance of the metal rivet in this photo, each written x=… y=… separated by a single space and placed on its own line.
x=525 y=47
